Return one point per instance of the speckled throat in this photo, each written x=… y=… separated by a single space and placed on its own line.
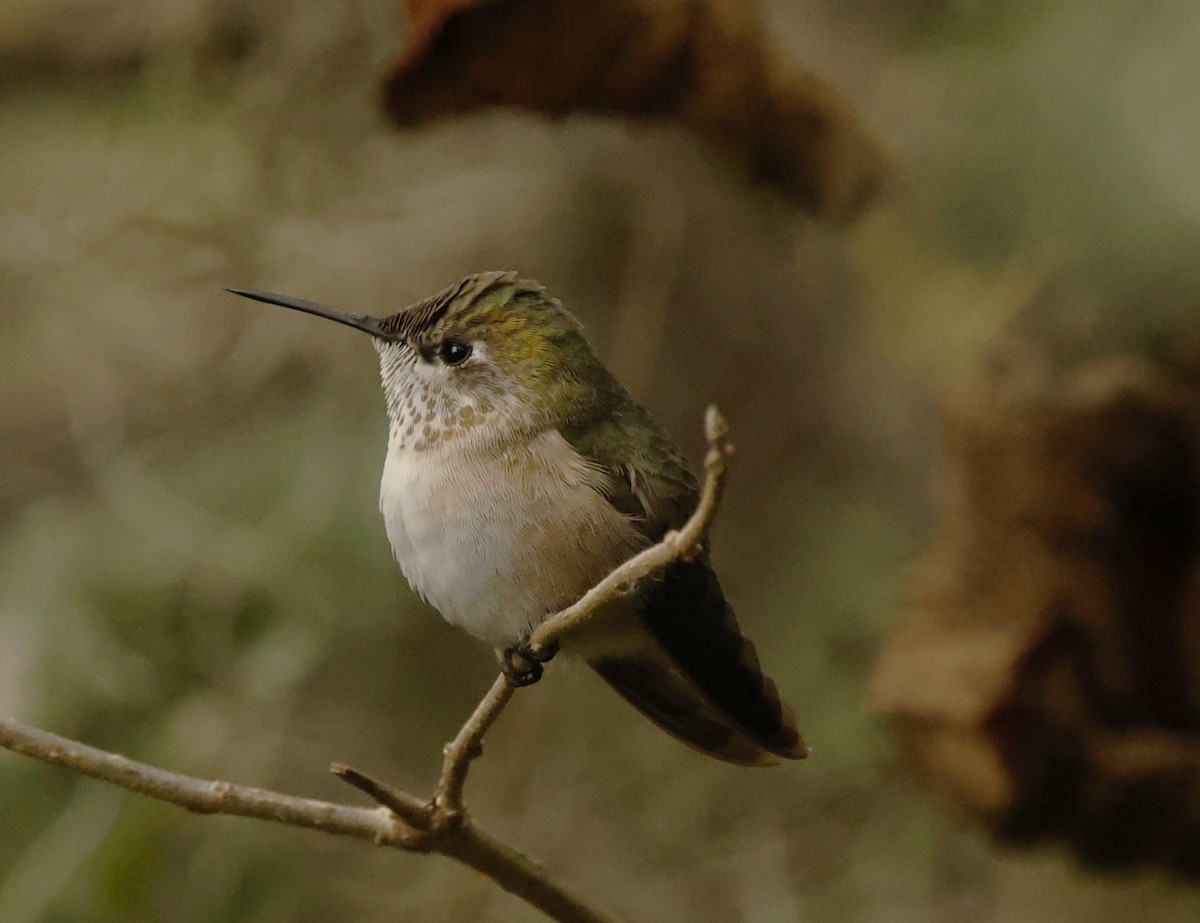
x=493 y=394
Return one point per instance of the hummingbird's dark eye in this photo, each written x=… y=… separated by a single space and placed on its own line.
x=454 y=351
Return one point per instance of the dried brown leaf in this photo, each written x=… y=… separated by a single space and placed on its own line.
x=1045 y=675
x=702 y=62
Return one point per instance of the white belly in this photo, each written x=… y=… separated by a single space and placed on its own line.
x=497 y=541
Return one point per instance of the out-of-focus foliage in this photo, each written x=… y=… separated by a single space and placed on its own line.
x=1044 y=674
x=707 y=65
x=192 y=569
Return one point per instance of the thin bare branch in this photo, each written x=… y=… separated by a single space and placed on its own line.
x=468 y=746
x=408 y=808
x=517 y=874
x=513 y=871
x=204 y=796
x=402 y=820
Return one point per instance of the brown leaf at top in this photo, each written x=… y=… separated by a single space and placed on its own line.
x=703 y=62
x=426 y=19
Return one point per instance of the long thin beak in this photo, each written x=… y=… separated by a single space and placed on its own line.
x=364 y=322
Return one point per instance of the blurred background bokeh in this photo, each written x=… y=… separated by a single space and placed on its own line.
x=192 y=566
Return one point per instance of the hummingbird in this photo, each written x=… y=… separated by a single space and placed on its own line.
x=518 y=473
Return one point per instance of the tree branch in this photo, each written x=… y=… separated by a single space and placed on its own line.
x=467 y=746
x=510 y=869
x=404 y=821
x=204 y=796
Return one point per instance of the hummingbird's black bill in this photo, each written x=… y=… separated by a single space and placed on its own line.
x=364 y=322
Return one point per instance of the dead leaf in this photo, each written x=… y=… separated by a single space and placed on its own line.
x=703 y=62
x=1045 y=675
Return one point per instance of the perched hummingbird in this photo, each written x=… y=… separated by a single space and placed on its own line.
x=519 y=472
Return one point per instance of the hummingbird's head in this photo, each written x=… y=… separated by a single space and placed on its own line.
x=487 y=358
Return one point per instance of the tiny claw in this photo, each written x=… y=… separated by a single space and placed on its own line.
x=519 y=669
x=520 y=678
x=522 y=663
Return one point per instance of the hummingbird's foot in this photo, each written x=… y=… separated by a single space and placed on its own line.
x=518 y=669
x=522 y=663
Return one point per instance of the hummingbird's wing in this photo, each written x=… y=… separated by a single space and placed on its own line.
x=696 y=676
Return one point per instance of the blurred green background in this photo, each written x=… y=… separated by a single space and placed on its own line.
x=192 y=566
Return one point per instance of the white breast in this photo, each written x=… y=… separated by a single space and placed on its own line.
x=495 y=540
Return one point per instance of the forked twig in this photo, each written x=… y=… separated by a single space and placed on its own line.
x=404 y=821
